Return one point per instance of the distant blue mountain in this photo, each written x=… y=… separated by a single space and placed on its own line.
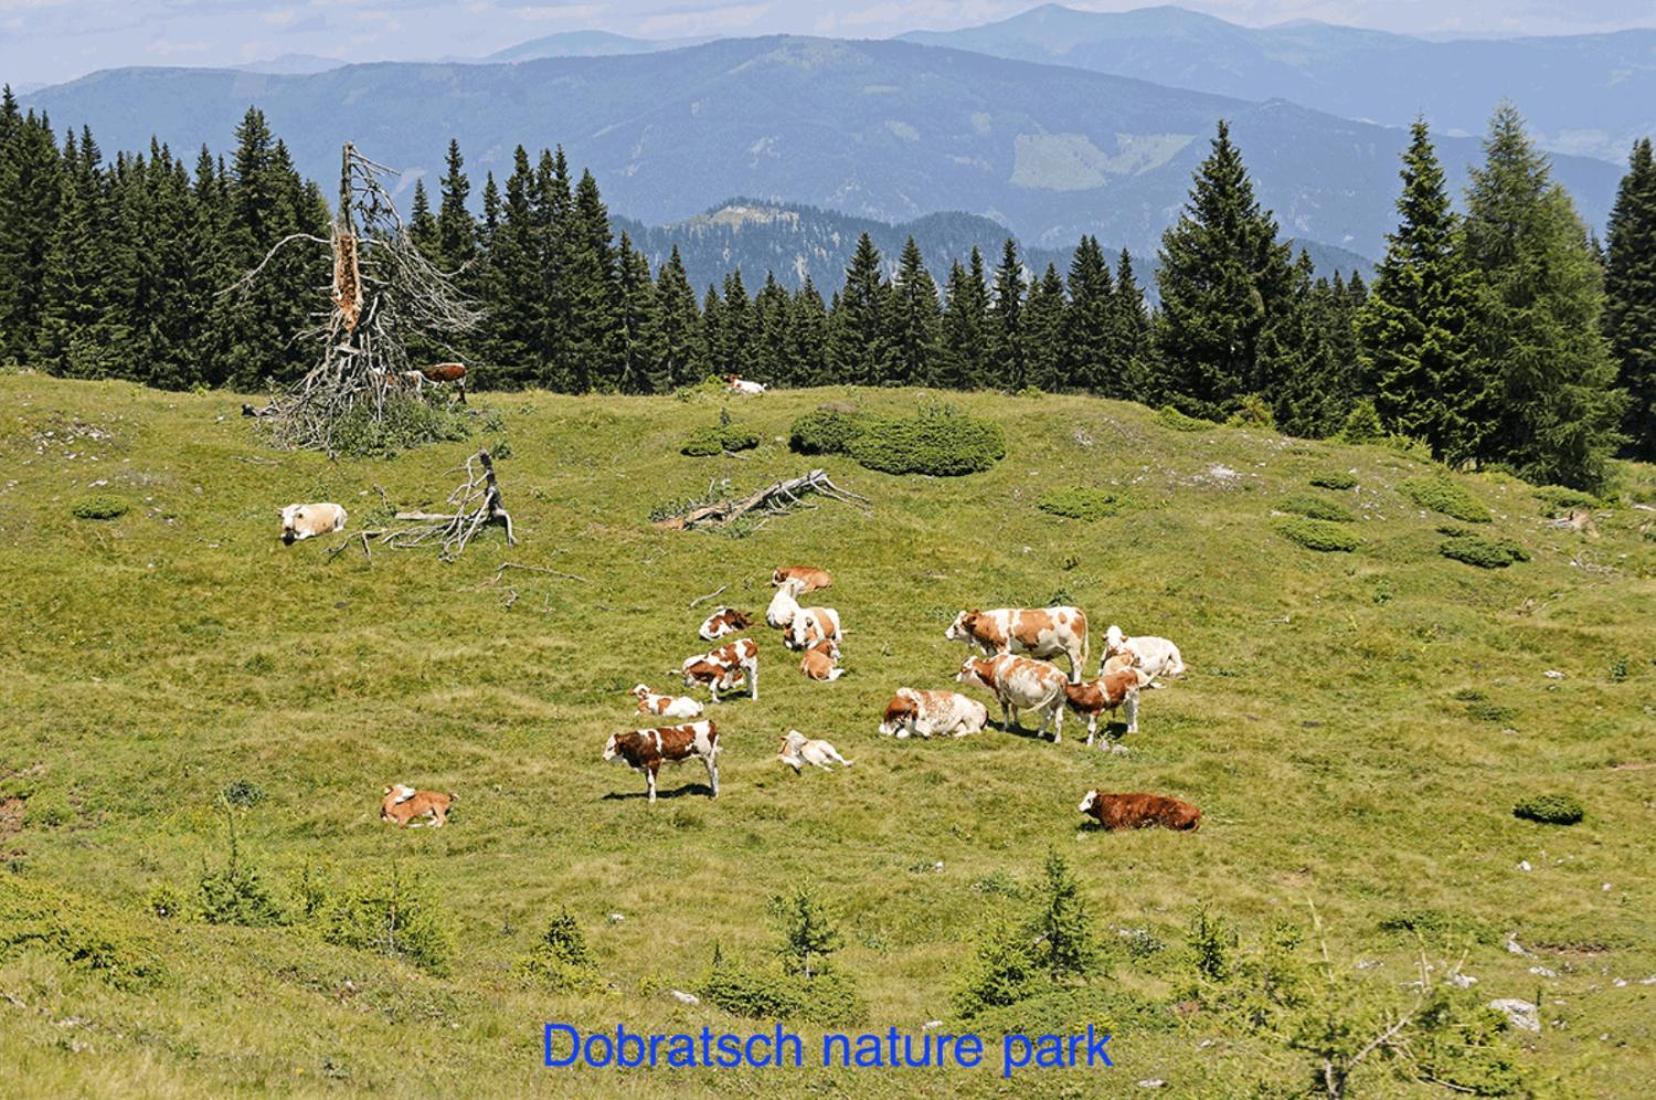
x=885 y=130
x=1587 y=94
x=588 y=44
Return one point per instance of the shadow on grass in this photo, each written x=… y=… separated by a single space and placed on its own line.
x=676 y=792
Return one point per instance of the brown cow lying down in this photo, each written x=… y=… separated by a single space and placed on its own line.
x=821 y=661
x=724 y=620
x=403 y=804
x=646 y=750
x=1139 y=811
x=811 y=577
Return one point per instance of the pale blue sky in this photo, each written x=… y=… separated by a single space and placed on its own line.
x=46 y=41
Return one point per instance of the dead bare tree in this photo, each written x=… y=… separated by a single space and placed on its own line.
x=782 y=496
x=384 y=295
x=475 y=504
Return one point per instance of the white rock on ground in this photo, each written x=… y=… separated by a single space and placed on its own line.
x=1521 y=1014
x=684 y=998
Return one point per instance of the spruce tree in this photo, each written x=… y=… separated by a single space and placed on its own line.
x=1537 y=333
x=681 y=327
x=1413 y=339
x=1131 y=335
x=736 y=325
x=643 y=358
x=964 y=363
x=1090 y=323
x=1222 y=275
x=422 y=224
x=1630 y=298
x=30 y=195
x=1006 y=319
x=916 y=320
x=553 y=245
x=772 y=320
x=456 y=228
x=1065 y=944
x=75 y=338
x=1307 y=399
x=593 y=291
x=861 y=352
x=808 y=336
x=713 y=340
x=1043 y=332
x=512 y=324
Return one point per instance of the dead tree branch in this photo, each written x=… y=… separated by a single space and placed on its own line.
x=779 y=497
x=475 y=504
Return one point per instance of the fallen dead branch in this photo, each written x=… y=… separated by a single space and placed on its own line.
x=475 y=504
x=710 y=596
x=500 y=571
x=783 y=496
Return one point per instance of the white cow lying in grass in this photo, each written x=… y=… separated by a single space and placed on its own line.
x=928 y=712
x=797 y=750
x=303 y=521
x=1157 y=657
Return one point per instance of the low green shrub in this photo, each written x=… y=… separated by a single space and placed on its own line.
x=1362 y=423
x=407 y=422
x=718 y=439
x=559 y=961
x=1440 y=493
x=1312 y=507
x=824 y=432
x=1080 y=502
x=243 y=793
x=1437 y=924
x=1556 y=500
x=767 y=993
x=394 y=915
x=939 y=440
x=34 y=916
x=1550 y=809
x=1485 y=711
x=1318 y=534
x=1485 y=553
x=1169 y=417
x=1070 y=1010
x=100 y=506
x=1334 y=481
x=237 y=892
x=1253 y=413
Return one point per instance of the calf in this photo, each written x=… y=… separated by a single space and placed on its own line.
x=785 y=604
x=1109 y=691
x=821 y=661
x=735 y=383
x=666 y=706
x=723 y=621
x=812 y=577
x=1157 y=656
x=1021 y=684
x=812 y=625
x=797 y=750
x=303 y=521
x=725 y=667
x=1043 y=632
x=1139 y=811
x=647 y=750
x=928 y=712
x=402 y=804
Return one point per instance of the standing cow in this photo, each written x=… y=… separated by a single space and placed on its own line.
x=1045 y=632
x=1119 y=688
x=1020 y=684
x=647 y=750
x=723 y=668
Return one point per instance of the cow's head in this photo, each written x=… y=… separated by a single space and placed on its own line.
x=641 y=692
x=1114 y=640
x=899 y=710
x=961 y=629
x=1088 y=803
x=611 y=748
x=972 y=671
x=736 y=620
x=290 y=518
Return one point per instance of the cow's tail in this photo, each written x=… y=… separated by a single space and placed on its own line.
x=1086 y=650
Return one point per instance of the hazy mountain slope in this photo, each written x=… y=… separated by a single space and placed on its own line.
x=886 y=130
x=1589 y=94
x=587 y=44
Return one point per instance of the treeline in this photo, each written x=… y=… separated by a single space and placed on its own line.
x=1488 y=335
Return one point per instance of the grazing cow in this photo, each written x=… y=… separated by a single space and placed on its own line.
x=928 y=712
x=814 y=578
x=1157 y=656
x=723 y=668
x=1138 y=811
x=667 y=706
x=821 y=661
x=736 y=384
x=439 y=374
x=1021 y=684
x=785 y=604
x=797 y=750
x=1040 y=633
x=646 y=750
x=723 y=621
x=812 y=625
x=1109 y=691
x=303 y=521
x=402 y=804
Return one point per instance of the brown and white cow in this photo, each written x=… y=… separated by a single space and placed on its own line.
x=303 y=521
x=812 y=577
x=1139 y=811
x=646 y=750
x=403 y=804
x=811 y=625
x=924 y=713
x=1043 y=632
x=665 y=706
x=446 y=373
x=1157 y=656
x=724 y=621
x=1020 y=684
x=785 y=604
x=723 y=668
x=1110 y=691
x=821 y=661
x=735 y=383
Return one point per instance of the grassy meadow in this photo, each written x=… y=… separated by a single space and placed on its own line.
x=1355 y=726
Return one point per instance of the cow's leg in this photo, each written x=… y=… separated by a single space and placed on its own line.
x=1132 y=712
x=650 y=780
x=1006 y=715
x=713 y=689
x=753 y=681
x=713 y=773
x=1056 y=717
x=1075 y=666
x=1092 y=728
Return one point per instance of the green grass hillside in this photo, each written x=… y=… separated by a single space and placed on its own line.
x=1357 y=726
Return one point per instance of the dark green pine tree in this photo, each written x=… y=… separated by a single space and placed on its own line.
x=916 y=320
x=736 y=328
x=683 y=353
x=1090 y=323
x=860 y=351
x=643 y=358
x=1537 y=333
x=593 y=289
x=1043 y=332
x=1006 y=320
x=1132 y=334
x=554 y=241
x=713 y=340
x=30 y=193
x=1308 y=400
x=152 y=293
x=772 y=319
x=512 y=323
x=457 y=236
x=1630 y=298
x=808 y=337
x=76 y=338
x=965 y=364
x=422 y=224
x=1412 y=336
x=1222 y=275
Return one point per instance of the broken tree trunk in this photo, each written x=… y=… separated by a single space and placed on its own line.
x=475 y=504
x=772 y=499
